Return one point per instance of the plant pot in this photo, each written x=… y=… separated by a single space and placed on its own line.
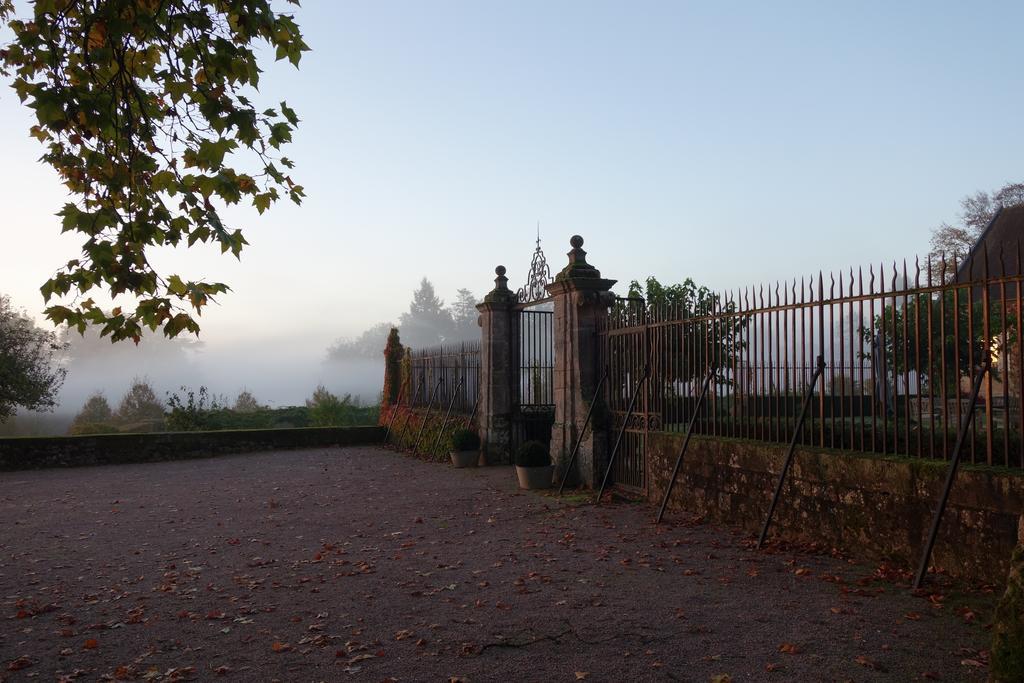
x=535 y=477
x=464 y=458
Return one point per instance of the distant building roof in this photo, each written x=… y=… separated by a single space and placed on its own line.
x=997 y=253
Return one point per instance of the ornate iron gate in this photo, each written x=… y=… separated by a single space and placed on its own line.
x=533 y=357
x=533 y=381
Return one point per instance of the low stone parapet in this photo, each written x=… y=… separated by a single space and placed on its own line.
x=21 y=453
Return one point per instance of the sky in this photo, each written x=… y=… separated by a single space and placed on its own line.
x=731 y=142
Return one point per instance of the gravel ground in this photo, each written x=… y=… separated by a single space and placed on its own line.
x=365 y=565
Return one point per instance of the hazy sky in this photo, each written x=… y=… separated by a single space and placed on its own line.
x=730 y=142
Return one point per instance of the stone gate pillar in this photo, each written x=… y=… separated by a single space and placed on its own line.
x=495 y=409
x=581 y=298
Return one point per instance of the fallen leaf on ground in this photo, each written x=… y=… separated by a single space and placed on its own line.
x=869 y=663
x=19 y=663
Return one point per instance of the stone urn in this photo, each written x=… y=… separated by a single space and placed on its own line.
x=465 y=449
x=465 y=458
x=535 y=477
x=533 y=465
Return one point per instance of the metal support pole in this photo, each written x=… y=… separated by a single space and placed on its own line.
x=686 y=442
x=447 y=414
x=965 y=424
x=622 y=430
x=579 y=439
x=394 y=413
x=472 y=416
x=792 y=449
x=430 y=404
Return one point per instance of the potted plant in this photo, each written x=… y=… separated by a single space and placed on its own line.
x=533 y=465
x=465 y=448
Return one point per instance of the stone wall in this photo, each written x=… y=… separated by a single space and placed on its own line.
x=873 y=507
x=1007 y=662
x=111 y=449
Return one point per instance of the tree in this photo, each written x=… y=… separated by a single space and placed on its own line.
x=428 y=322
x=140 y=404
x=959 y=337
x=690 y=353
x=141 y=104
x=95 y=417
x=30 y=376
x=246 y=402
x=464 y=316
x=393 y=354
x=96 y=409
x=976 y=212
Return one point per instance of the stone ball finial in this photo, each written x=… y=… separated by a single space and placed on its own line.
x=500 y=293
x=576 y=241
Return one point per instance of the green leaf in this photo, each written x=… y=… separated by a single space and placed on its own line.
x=176 y=286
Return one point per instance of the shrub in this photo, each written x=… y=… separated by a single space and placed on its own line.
x=465 y=440
x=89 y=428
x=326 y=409
x=533 y=454
x=190 y=412
x=329 y=410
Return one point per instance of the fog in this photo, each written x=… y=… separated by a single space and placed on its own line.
x=280 y=367
x=281 y=374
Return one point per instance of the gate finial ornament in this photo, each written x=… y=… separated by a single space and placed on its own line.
x=501 y=293
x=578 y=266
x=539 y=277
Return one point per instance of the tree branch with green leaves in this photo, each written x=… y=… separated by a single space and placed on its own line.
x=143 y=107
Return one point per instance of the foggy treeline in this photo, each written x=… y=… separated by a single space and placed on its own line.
x=285 y=376
x=428 y=322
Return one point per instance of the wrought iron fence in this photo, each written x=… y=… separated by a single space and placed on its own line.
x=446 y=375
x=900 y=345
